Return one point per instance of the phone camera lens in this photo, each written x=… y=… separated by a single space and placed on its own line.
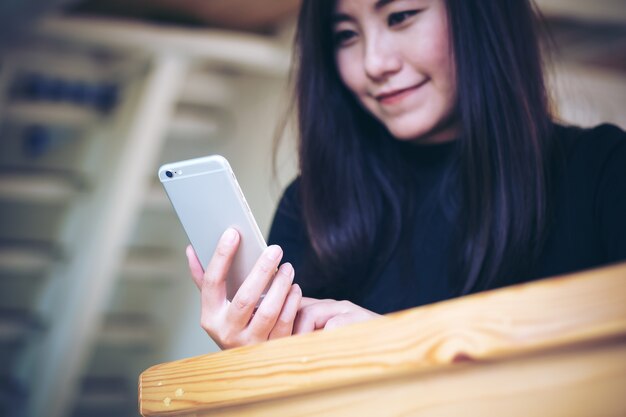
x=169 y=174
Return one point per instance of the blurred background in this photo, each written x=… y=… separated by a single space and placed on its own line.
x=94 y=96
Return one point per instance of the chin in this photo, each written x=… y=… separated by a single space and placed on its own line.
x=424 y=133
x=413 y=135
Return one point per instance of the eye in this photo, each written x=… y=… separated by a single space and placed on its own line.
x=343 y=37
x=400 y=17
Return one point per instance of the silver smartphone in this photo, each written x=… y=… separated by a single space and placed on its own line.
x=208 y=200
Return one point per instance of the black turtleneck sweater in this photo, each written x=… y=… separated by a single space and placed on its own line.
x=588 y=227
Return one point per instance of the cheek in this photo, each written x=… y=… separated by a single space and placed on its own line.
x=441 y=58
x=348 y=69
x=443 y=77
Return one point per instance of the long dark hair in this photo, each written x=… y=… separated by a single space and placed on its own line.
x=351 y=178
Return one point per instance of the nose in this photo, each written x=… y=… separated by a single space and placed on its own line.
x=381 y=59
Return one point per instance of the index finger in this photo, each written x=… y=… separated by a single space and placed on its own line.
x=197 y=273
x=214 y=280
x=248 y=295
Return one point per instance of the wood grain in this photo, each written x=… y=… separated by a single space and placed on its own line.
x=571 y=383
x=558 y=321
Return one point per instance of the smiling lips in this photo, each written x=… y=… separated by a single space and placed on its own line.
x=398 y=95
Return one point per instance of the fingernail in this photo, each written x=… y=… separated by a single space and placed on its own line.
x=297 y=288
x=287 y=269
x=229 y=235
x=273 y=252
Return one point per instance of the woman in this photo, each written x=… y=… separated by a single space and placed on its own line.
x=430 y=167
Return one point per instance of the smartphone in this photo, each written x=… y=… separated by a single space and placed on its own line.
x=207 y=199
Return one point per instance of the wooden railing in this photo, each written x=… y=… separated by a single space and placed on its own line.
x=555 y=347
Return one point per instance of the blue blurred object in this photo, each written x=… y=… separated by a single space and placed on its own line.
x=41 y=140
x=55 y=90
x=37 y=87
x=36 y=141
x=91 y=92
x=77 y=92
x=24 y=86
x=107 y=97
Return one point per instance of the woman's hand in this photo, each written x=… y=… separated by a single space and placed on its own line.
x=317 y=314
x=236 y=323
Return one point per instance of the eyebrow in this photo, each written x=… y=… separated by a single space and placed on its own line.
x=382 y=3
x=341 y=17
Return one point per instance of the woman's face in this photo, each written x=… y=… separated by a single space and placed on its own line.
x=395 y=56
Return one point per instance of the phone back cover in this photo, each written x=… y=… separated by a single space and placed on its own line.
x=208 y=200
